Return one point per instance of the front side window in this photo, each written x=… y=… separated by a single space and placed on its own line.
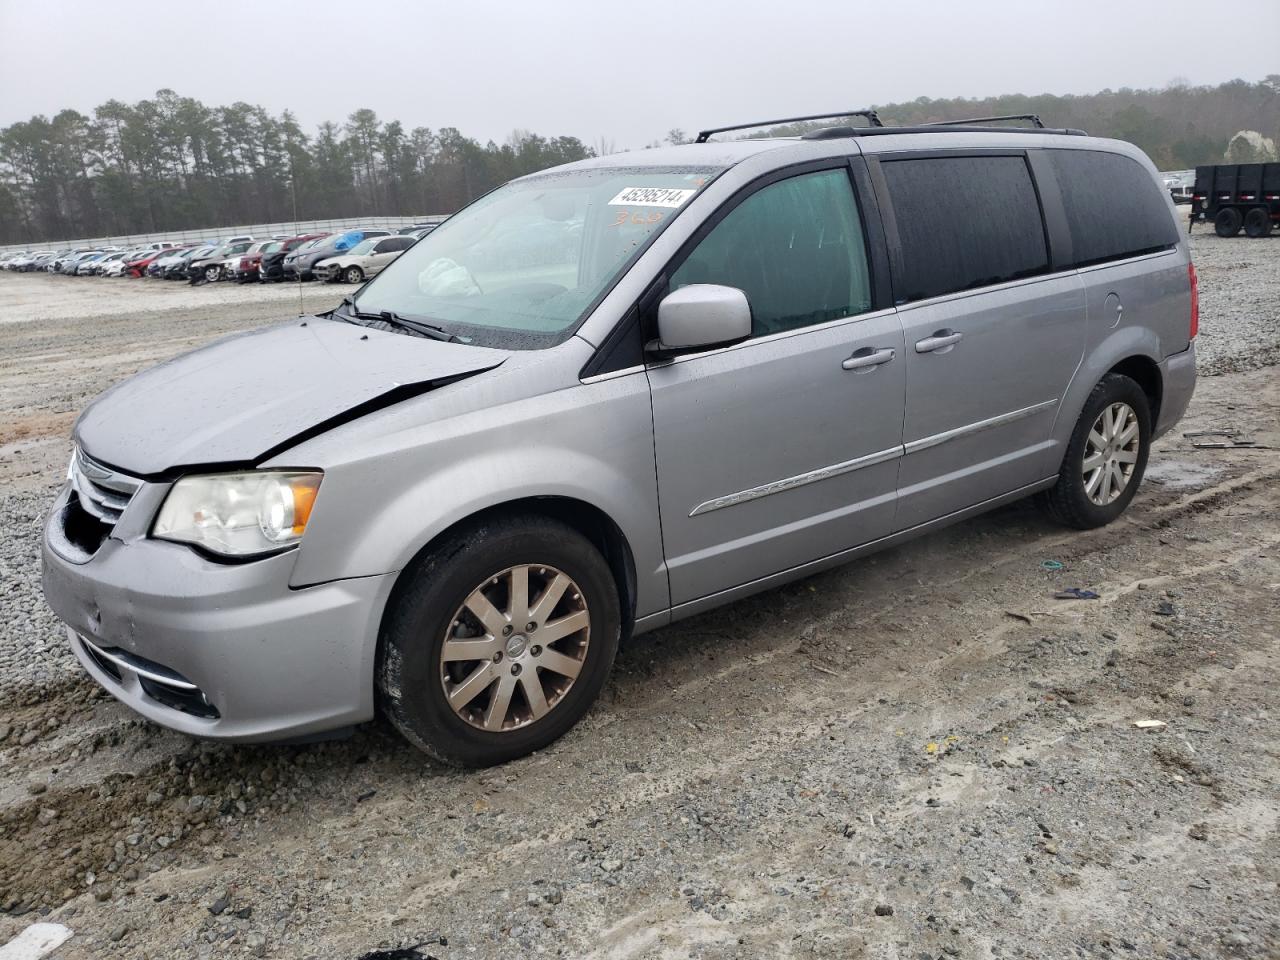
x=521 y=267
x=795 y=248
x=963 y=223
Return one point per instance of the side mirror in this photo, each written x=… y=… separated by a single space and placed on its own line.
x=701 y=315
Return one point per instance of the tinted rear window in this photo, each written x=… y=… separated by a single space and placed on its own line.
x=964 y=222
x=1114 y=207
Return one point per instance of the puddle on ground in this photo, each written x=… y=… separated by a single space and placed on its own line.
x=1177 y=474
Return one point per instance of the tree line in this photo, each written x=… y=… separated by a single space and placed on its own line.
x=1179 y=126
x=171 y=162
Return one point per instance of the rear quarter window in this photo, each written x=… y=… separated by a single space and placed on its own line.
x=963 y=223
x=1115 y=208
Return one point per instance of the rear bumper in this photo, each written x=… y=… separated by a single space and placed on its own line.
x=166 y=632
x=1178 y=374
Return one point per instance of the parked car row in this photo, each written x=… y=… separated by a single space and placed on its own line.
x=351 y=256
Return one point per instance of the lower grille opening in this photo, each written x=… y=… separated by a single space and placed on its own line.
x=188 y=701
x=105 y=665
x=162 y=684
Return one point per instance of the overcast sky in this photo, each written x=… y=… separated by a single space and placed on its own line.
x=623 y=71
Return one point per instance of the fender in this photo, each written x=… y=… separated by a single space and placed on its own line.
x=401 y=476
x=1119 y=345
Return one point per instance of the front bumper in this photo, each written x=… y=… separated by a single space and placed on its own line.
x=149 y=619
x=1178 y=376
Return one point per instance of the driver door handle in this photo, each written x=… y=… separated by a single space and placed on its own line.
x=868 y=357
x=941 y=340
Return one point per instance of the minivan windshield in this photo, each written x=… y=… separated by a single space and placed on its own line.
x=520 y=267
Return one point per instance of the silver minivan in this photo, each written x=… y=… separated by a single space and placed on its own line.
x=608 y=396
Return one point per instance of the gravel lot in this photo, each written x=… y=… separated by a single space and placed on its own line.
x=914 y=756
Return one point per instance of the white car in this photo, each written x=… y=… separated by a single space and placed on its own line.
x=364 y=260
x=99 y=267
x=115 y=268
x=86 y=266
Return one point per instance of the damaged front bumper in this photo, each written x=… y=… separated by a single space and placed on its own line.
x=225 y=651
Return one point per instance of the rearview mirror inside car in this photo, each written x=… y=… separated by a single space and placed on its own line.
x=701 y=315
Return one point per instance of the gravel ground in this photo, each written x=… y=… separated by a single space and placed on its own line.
x=1239 y=302
x=814 y=772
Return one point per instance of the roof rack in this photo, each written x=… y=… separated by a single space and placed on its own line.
x=977 y=121
x=872 y=117
x=835 y=133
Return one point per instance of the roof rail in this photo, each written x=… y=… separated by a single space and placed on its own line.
x=835 y=133
x=872 y=117
x=976 y=121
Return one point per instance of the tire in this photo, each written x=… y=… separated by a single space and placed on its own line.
x=1257 y=223
x=1226 y=223
x=435 y=598
x=212 y=274
x=1074 y=499
x=353 y=275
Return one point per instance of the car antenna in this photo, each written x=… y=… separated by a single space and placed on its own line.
x=293 y=189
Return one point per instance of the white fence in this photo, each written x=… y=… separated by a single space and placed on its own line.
x=261 y=230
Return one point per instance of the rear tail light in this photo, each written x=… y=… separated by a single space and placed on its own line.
x=1195 y=301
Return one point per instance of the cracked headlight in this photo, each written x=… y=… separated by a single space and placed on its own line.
x=239 y=514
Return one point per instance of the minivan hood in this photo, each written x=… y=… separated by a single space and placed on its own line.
x=247 y=395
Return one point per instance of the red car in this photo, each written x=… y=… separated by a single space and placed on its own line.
x=246 y=270
x=138 y=266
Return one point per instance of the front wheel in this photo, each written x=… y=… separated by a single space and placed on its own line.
x=354 y=275
x=1106 y=456
x=1227 y=222
x=212 y=274
x=498 y=640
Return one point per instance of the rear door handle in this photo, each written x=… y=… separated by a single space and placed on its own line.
x=868 y=357
x=941 y=340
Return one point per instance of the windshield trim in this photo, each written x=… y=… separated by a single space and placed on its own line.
x=712 y=172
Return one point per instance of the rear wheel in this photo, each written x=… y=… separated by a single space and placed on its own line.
x=498 y=640
x=1106 y=456
x=354 y=275
x=1227 y=222
x=1257 y=222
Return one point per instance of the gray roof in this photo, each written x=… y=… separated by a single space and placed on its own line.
x=728 y=153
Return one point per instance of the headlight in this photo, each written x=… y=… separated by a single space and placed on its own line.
x=239 y=514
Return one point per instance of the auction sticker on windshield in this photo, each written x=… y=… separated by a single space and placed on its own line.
x=651 y=197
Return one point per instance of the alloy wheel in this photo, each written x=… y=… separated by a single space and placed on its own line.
x=515 y=647
x=1111 y=453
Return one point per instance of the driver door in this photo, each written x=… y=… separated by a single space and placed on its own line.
x=782 y=449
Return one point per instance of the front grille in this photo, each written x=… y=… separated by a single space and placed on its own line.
x=102 y=492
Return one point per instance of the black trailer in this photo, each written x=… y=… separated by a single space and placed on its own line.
x=1233 y=195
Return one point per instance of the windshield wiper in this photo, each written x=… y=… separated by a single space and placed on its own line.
x=395 y=320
